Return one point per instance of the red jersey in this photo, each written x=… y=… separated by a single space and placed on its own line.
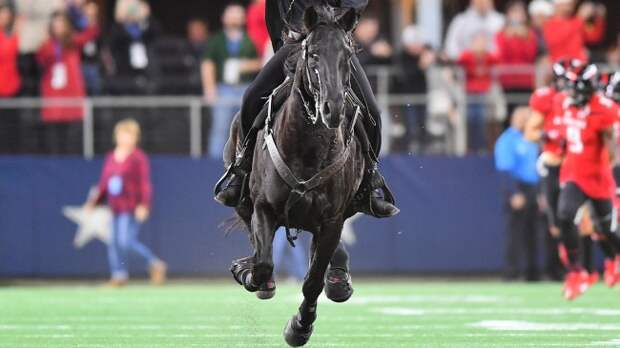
x=517 y=51
x=10 y=82
x=126 y=184
x=62 y=75
x=257 y=27
x=566 y=38
x=477 y=71
x=548 y=101
x=587 y=162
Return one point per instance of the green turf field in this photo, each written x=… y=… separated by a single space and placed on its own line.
x=393 y=314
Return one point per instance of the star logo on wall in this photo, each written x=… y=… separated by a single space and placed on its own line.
x=95 y=224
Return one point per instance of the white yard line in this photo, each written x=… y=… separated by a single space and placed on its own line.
x=514 y=325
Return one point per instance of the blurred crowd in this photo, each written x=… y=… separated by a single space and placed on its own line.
x=57 y=49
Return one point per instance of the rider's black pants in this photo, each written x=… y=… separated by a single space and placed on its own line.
x=272 y=75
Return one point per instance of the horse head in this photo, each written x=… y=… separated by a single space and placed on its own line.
x=325 y=65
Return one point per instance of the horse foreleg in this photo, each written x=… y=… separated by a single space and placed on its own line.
x=263 y=230
x=299 y=329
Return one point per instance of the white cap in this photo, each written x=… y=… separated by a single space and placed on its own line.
x=412 y=35
x=540 y=7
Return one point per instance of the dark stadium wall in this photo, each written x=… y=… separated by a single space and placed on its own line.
x=451 y=220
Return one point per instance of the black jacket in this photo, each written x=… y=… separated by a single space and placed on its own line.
x=289 y=13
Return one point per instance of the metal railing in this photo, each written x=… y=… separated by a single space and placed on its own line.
x=381 y=75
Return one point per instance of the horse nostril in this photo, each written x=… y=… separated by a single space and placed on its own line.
x=326 y=109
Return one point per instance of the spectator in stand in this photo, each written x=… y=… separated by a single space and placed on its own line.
x=477 y=63
x=126 y=185
x=374 y=49
x=59 y=58
x=9 y=50
x=515 y=160
x=32 y=33
x=613 y=54
x=197 y=37
x=540 y=11
x=479 y=18
x=130 y=39
x=230 y=64
x=516 y=50
x=81 y=13
x=414 y=61
x=257 y=27
x=10 y=81
x=567 y=35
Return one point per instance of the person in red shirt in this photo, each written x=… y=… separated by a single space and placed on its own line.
x=60 y=61
x=9 y=51
x=10 y=80
x=257 y=26
x=586 y=175
x=611 y=88
x=566 y=35
x=545 y=126
x=477 y=63
x=517 y=48
x=126 y=184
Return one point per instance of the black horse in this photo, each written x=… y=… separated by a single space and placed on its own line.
x=308 y=163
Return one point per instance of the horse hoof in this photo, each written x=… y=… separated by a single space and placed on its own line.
x=265 y=295
x=338 y=286
x=267 y=291
x=295 y=335
x=262 y=273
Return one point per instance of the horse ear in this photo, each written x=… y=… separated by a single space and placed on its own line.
x=348 y=21
x=311 y=18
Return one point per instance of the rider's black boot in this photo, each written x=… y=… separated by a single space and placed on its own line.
x=231 y=195
x=374 y=197
x=230 y=189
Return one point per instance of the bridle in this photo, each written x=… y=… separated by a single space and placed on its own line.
x=314 y=85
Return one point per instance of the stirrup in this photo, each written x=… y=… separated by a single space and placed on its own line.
x=219 y=186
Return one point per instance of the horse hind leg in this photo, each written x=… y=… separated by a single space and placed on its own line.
x=299 y=328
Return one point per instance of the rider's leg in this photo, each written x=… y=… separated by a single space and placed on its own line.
x=373 y=180
x=270 y=77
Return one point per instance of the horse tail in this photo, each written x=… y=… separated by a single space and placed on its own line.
x=233 y=223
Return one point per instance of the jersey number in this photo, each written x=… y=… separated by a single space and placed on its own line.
x=573 y=137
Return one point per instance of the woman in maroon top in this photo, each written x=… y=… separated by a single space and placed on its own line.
x=126 y=184
x=60 y=61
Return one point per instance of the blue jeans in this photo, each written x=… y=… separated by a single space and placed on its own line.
x=415 y=121
x=92 y=77
x=295 y=267
x=221 y=117
x=475 y=124
x=123 y=241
